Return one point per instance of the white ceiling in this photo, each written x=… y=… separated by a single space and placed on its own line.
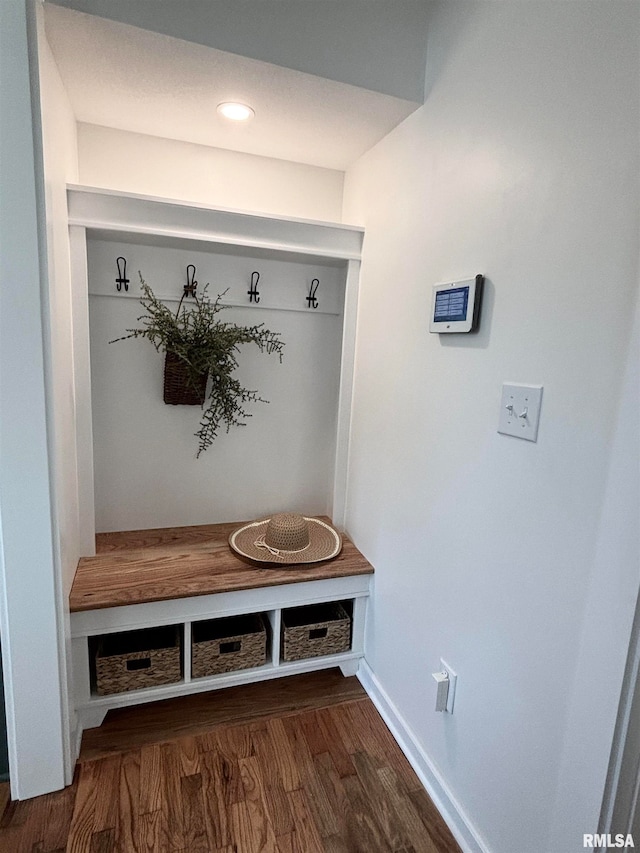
x=132 y=79
x=377 y=45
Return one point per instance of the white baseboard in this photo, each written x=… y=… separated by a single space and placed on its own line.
x=455 y=818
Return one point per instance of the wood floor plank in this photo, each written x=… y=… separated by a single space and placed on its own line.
x=150 y=779
x=373 y=737
x=103 y=841
x=286 y=843
x=434 y=823
x=216 y=814
x=234 y=741
x=82 y=820
x=157 y=722
x=106 y=775
x=58 y=818
x=242 y=831
x=307 y=834
x=129 y=801
x=399 y=799
x=313 y=734
x=5 y=796
x=323 y=815
x=330 y=781
x=366 y=712
x=285 y=759
x=192 y=814
x=263 y=835
x=28 y=824
x=11 y=815
x=151 y=835
x=272 y=783
x=344 y=727
x=324 y=779
x=229 y=748
x=189 y=756
x=172 y=793
x=34 y=825
x=387 y=814
x=337 y=748
x=363 y=830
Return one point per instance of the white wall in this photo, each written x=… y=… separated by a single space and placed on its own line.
x=146 y=471
x=60 y=161
x=30 y=583
x=133 y=162
x=60 y=148
x=611 y=602
x=522 y=165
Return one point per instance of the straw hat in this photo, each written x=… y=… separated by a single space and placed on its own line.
x=287 y=539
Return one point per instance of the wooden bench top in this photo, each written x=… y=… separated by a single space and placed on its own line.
x=139 y=566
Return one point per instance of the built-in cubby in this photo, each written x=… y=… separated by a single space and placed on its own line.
x=207 y=651
x=132 y=660
x=189 y=578
x=137 y=468
x=230 y=643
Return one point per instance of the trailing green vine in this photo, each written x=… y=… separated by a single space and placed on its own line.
x=206 y=346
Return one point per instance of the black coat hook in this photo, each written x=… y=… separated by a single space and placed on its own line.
x=122 y=274
x=312 y=302
x=254 y=295
x=191 y=285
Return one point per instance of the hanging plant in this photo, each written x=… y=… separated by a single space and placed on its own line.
x=200 y=351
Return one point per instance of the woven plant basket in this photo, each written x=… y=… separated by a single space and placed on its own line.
x=180 y=388
x=132 y=660
x=225 y=645
x=315 y=630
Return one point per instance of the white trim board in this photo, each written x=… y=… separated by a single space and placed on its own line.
x=454 y=816
x=141 y=215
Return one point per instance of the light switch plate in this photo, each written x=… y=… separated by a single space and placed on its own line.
x=520 y=410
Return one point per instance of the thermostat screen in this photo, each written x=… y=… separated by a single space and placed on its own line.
x=451 y=305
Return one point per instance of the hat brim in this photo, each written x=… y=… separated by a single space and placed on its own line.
x=325 y=543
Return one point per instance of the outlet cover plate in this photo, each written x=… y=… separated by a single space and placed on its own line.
x=520 y=410
x=453 y=679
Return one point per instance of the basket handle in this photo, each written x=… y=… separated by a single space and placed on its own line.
x=317 y=633
x=140 y=663
x=234 y=646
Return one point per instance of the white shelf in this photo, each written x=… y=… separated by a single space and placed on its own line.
x=218 y=682
x=270 y=601
x=164 y=219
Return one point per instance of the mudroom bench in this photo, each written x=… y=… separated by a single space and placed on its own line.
x=151 y=601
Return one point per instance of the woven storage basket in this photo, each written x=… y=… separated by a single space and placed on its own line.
x=135 y=659
x=225 y=645
x=314 y=630
x=180 y=389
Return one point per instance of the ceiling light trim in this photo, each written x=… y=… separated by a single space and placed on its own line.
x=235 y=111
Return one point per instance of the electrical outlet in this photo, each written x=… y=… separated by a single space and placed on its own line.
x=453 y=678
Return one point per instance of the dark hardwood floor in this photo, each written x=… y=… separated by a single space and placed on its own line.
x=302 y=765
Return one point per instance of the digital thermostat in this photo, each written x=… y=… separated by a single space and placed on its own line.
x=455 y=305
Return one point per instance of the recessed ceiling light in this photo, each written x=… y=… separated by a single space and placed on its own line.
x=235 y=112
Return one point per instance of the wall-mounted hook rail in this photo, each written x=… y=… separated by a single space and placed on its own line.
x=192 y=284
x=312 y=302
x=254 y=294
x=122 y=274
